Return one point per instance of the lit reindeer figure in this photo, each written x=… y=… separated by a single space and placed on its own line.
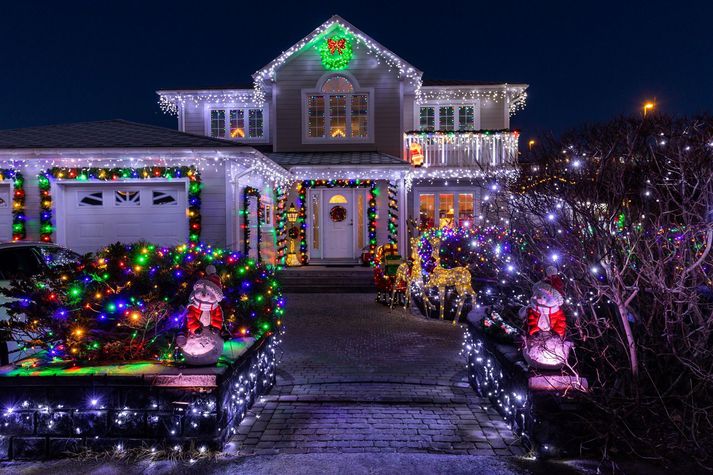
x=409 y=275
x=458 y=277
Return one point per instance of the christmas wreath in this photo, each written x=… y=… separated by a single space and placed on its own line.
x=338 y=213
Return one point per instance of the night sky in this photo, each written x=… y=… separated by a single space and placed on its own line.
x=584 y=61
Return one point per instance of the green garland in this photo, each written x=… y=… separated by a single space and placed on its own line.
x=19 y=231
x=114 y=174
x=280 y=226
x=249 y=192
x=302 y=219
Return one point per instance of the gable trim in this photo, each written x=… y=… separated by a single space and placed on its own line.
x=405 y=70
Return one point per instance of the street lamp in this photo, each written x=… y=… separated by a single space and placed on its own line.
x=648 y=106
x=530 y=144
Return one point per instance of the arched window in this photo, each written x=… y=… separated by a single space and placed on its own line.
x=337 y=199
x=337 y=111
x=337 y=84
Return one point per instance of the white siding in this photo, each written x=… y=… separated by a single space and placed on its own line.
x=492 y=115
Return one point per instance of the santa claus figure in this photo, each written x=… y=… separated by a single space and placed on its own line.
x=204 y=308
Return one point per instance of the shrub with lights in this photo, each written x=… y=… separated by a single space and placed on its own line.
x=127 y=302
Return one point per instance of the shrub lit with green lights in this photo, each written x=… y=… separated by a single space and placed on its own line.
x=128 y=302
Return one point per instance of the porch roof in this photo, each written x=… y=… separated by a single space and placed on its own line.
x=105 y=134
x=300 y=159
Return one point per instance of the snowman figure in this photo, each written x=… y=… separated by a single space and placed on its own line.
x=545 y=343
x=204 y=320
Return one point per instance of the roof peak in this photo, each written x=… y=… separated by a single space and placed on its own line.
x=267 y=72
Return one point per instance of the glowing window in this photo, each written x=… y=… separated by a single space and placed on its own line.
x=337 y=199
x=337 y=84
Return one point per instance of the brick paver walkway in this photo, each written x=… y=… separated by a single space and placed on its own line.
x=356 y=377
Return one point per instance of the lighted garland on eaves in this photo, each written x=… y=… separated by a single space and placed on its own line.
x=250 y=192
x=115 y=174
x=302 y=221
x=281 y=226
x=18 y=202
x=393 y=213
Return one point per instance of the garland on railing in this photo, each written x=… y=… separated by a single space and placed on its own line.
x=116 y=174
x=371 y=212
x=393 y=213
x=250 y=192
x=280 y=226
x=463 y=132
x=18 y=202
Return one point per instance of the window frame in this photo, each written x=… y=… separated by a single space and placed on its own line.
x=456 y=114
x=246 y=108
x=475 y=192
x=356 y=91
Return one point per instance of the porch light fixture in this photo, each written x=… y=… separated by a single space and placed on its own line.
x=292 y=213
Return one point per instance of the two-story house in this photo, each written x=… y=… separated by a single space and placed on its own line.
x=333 y=147
x=337 y=105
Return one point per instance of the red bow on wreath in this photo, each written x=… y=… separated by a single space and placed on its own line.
x=337 y=46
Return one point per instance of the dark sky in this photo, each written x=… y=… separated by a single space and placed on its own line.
x=584 y=60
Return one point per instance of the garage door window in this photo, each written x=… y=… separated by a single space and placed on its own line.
x=4 y=198
x=127 y=198
x=163 y=198
x=90 y=199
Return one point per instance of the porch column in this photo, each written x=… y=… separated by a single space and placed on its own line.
x=403 y=212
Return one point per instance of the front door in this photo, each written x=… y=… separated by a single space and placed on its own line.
x=338 y=219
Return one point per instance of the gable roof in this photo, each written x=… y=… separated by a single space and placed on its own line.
x=404 y=68
x=115 y=133
x=294 y=159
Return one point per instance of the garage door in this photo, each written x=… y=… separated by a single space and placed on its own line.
x=98 y=214
x=5 y=212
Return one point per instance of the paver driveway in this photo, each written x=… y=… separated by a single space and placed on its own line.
x=357 y=377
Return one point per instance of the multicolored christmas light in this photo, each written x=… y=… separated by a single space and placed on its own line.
x=280 y=226
x=393 y=213
x=302 y=218
x=116 y=174
x=127 y=302
x=18 y=202
x=250 y=192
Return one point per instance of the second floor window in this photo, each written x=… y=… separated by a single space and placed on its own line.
x=461 y=117
x=237 y=123
x=337 y=111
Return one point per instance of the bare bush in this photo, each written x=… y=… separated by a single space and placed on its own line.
x=626 y=211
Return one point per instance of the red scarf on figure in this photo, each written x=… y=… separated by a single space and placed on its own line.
x=212 y=312
x=557 y=319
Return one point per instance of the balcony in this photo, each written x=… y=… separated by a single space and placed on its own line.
x=480 y=149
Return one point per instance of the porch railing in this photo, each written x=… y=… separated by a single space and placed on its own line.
x=477 y=149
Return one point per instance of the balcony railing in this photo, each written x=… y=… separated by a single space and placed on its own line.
x=482 y=149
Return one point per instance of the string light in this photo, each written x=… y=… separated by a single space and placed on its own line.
x=114 y=174
x=19 y=218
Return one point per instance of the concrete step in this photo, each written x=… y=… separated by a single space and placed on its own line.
x=327 y=280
